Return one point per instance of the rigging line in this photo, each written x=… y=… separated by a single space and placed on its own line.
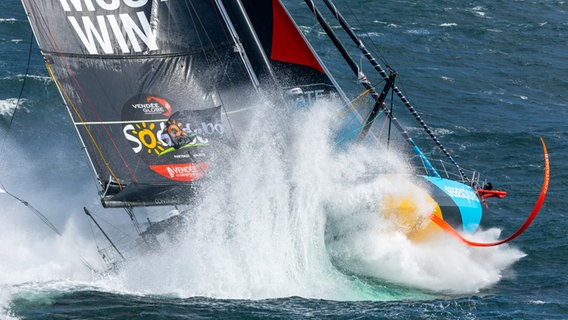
x=227 y=116
x=89 y=103
x=45 y=220
x=379 y=104
x=193 y=17
x=215 y=48
x=218 y=56
x=197 y=20
x=232 y=43
x=391 y=112
x=103 y=232
x=363 y=79
x=24 y=82
x=239 y=45
x=130 y=212
x=387 y=120
x=355 y=101
x=5 y=138
x=215 y=52
x=70 y=102
x=118 y=229
x=358 y=128
x=352 y=107
x=357 y=40
x=34 y=210
x=3 y=189
x=366 y=34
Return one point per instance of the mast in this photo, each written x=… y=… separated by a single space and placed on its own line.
x=239 y=45
x=345 y=25
x=237 y=17
x=363 y=79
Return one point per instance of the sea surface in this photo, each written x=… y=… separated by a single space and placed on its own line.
x=490 y=79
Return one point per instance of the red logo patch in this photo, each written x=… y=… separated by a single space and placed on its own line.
x=182 y=172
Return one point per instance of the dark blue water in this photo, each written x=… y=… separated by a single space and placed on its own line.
x=488 y=76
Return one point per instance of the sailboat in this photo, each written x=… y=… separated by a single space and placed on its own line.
x=159 y=92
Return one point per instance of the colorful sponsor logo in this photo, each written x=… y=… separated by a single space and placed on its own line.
x=145 y=136
x=177 y=147
x=154 y=105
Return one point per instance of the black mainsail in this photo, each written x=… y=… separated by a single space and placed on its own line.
x=152 y=86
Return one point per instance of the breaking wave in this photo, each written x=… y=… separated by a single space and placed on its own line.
x=262 y=230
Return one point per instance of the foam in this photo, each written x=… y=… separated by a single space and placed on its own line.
x=262 y=229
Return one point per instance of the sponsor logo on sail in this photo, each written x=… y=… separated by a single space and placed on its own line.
x=149 y=108
x=177 y=147
x=185 y=172
x=153 y=106
x=180 y=171
x=115 y=30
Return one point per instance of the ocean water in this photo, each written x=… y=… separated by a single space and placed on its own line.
x=488 y=77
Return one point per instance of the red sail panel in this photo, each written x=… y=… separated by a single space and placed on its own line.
x=288 y=45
